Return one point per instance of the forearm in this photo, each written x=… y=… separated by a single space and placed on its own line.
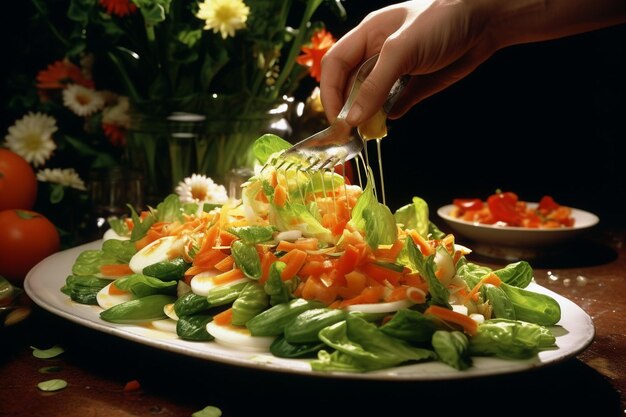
x=524 y=21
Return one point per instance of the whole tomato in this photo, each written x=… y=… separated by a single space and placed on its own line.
x=26 y=237
x=18 y=183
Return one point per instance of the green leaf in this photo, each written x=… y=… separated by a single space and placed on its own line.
x=52 y=385
x=253 y=234
x=414 y=216
x=510 y=339
x=267 y=145
x=47 y=353
x=518 y=274
x=249 y=304
x=57 y=192
x=142 y=285
x=247 y=259
x=426 y=267
x=452 y=348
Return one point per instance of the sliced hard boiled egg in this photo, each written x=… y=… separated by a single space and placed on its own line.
x=157 y=251
x=202 y=283
x=238 y=337
x=169 y=311
x=389 y=307
x=165 y=325
x=461 y=309
x=111 y=234
x=107 y=300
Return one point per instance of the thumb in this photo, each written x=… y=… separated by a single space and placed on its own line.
x=374 y=90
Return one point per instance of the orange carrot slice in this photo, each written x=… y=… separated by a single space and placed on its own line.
x=468 y=325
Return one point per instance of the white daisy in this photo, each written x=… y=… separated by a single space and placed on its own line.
x=31 y=137
x=201 y=189
x=82 y=100
x=66 y=177
x=118 y=113
x=224 y=16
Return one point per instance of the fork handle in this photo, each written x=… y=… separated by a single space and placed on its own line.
x=362 y=73
x=394 y=93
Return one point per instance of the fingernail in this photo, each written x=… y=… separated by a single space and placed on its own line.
x=354 y=116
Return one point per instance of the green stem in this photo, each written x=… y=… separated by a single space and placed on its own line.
x=52 y=28
x=311 y=6
x=130 y=88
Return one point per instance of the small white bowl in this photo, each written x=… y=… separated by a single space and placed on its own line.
x=517 y=237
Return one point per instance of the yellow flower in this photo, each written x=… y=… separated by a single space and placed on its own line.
x=224 y=16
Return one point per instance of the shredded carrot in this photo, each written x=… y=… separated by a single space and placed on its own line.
x=369 y=295
x=397 y=294
x=223 y=318
x=225 y=264
x=381 y=274
x=307 y=243
x=226 y=238
x=390 y=254
x=314 y=289
x=294 y=260
x=490 y=278
x=280 y=195
x=267 y=259
x=228 y=276
x=115 y=270
x=115 y=290
x=468 y=325
x=423 y=245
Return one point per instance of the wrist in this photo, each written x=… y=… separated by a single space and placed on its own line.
x=512 y=22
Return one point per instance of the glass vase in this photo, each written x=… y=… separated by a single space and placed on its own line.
x=214 y=140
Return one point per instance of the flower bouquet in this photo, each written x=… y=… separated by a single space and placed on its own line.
x=165 y=87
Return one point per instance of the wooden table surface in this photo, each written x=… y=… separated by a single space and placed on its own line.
x=96 y=366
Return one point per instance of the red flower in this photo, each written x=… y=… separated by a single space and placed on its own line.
x=59 y=74
x=116 y=134
x=120 y=8
x=321 y=41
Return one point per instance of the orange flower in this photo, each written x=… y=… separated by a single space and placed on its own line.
x=321 y=41
x=120 y=8
x=116 y=134
x=61 y=73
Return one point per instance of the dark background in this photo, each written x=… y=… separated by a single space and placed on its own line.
x=544 y=118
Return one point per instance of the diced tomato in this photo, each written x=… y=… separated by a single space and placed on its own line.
x=547 y=203
x=503 y=208
x=466 y=204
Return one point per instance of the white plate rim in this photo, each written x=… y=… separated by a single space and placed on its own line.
x=574 y=333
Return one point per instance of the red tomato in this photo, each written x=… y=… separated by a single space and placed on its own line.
x=547 y=203
x=26 y=237
x=468 y=203
x=503 y=208
x=18 y=183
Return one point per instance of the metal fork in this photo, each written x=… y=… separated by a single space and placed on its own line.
x=338 y=142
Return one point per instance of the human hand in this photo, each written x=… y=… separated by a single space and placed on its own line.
x=437 y=42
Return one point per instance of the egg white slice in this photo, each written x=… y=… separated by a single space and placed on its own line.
x=165 y=325
x=106 y=300
x=238 y=337
x=157 y=251
x=203 y=282
x=169 y=311
x=112 y=234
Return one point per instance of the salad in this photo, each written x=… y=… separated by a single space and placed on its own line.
x=309 y=266
x=505 y=209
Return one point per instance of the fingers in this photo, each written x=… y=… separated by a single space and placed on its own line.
x=375 y=89
x=342 y=60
